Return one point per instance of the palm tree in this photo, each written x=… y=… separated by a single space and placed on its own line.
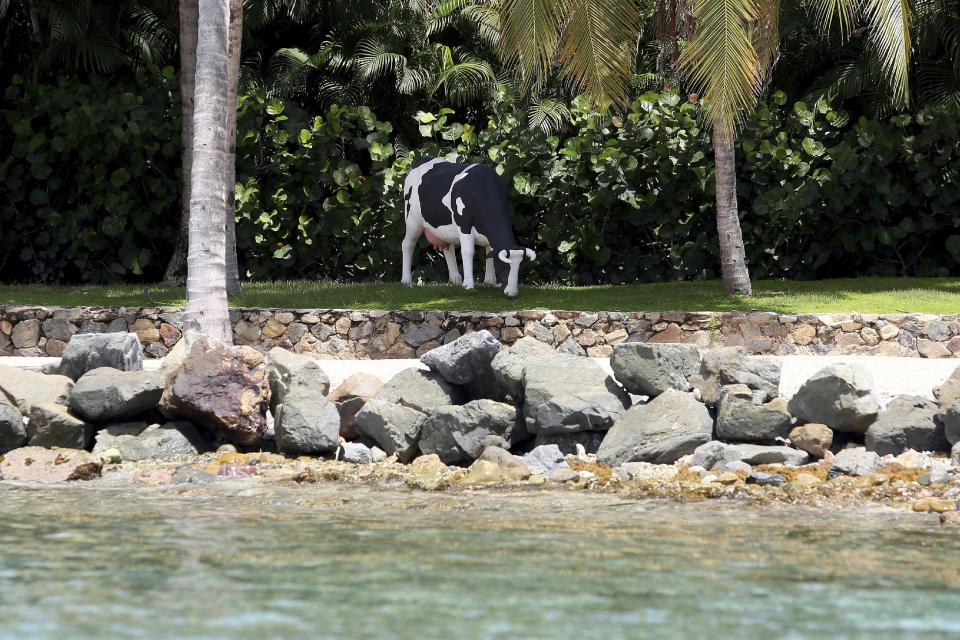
x=206 y=309
x=234 y=287
x=730 y=52
x=188 y=68
x=176 y=266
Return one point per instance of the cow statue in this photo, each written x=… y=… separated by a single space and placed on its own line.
x=466 y=205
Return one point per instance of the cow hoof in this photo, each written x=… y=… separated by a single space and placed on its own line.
x=409 y=283
x=490 y=284
x=468 y=285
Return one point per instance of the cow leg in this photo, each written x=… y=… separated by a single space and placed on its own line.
x=466 y=253
x=414 y=229
x=489 y=275
x=450 y=254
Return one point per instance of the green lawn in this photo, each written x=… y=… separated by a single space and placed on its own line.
x=865 y=295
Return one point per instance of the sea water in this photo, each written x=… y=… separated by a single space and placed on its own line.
x=249 y=560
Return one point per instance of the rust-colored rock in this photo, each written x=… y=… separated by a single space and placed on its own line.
x=350 y=397
x=39 y=464
x=427 y=346
x=225 y=389
x=671 y=334
x=169 y=334
x=511 y=334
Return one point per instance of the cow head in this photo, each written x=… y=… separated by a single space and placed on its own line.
x=507 y=268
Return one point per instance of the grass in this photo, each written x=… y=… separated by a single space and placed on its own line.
x=864 y=295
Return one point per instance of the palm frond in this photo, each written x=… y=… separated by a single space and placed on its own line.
x=889 y=29
x=596 y=48
x=463 y=81
x=486 y=20
x=375 y=58
x=548 y=114
x=766 y=37
x=413 y=79
x=826 y=11
x=721 y=61
x=153 y=34
x=530 y=33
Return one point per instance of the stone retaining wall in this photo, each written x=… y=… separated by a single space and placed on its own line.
x=345 y=334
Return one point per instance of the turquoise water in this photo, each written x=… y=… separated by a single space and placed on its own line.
x=337 y=561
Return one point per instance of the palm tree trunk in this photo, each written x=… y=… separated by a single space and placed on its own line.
x=206 y=261
x=733 y=263
x=234 y=288
x=175 y=274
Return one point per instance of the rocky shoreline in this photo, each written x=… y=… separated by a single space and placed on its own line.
x=670 y=423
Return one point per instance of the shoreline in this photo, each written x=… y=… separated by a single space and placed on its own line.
x=894 y=486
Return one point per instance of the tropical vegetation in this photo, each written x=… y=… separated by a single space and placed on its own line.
x=337 y=99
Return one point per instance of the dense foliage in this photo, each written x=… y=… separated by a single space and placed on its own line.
x=90 y=179
x=90 y=188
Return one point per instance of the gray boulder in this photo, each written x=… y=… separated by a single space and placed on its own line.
x=420 y=333
x=840 y=396
x=24 y=388
x=289 y=371
x=650 y=369
x=948 y=399
x=460 y=433
x=909 y=422
x=589 y=440
x=955 y=455
x=137 y=441
x=355 y=452
x=565 y=394
x=466 y=362
x=508 y=364
x=755 y=454
x=87 y=351
x=732 y=365
x=58 y=329
x=715 y=454
x=49 y=425
x=394 y=427
x=545 y=459
x=105 y=394
x=571 y=348
x=420 y=390
x=670 y=426
x=742 y=415
x=306 y=423
x=12 y=432
x=854 y=462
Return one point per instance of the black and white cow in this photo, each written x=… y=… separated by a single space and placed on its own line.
x=466 y=205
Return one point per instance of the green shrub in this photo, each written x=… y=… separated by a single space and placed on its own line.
x=310 y=191
x=90 y=188
x=89 y=179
